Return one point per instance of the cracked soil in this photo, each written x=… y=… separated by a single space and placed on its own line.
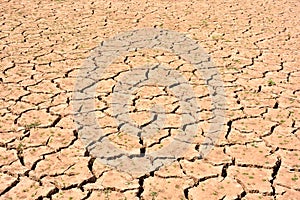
x=255 y=46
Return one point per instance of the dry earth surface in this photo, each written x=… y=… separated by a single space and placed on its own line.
x=254 y=44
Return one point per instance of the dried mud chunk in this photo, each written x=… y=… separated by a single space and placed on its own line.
x=36 y=118
x=288 y=178
x=72 y=194
x=243 y=155
x=253 y=179
x=216 y=188
x=165 y=188
x=199 y=169
x=110 y=194
x=28 y=189
x=6 y=181
x=282 y=137
x=289 y=159
x=114 y=179
x=250 y=196
x=286 y=193
x=171 y=170
x=7 y=156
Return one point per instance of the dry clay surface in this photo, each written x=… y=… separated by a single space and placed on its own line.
x=255 y=46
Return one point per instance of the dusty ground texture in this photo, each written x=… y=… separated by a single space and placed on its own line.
x=254 y=44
